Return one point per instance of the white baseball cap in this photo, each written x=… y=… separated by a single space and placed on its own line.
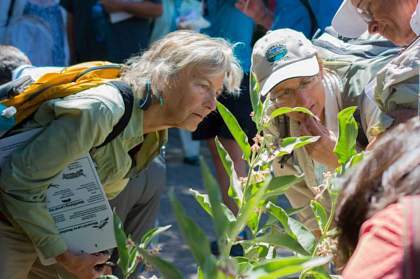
x=280 y=55
x=348 y=22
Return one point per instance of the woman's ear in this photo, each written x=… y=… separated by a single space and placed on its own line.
x=321 y=66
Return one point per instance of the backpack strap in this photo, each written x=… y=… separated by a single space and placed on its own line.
x=12 y=88
x=127 y=95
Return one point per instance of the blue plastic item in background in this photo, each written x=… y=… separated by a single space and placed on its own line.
x=7 y=119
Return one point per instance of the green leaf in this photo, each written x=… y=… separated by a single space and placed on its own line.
x=194 y=236
x=271 y=220
x=282 y=267
x=320 y=214
x=235 y=129
x=132 y=259
x=152 y=233
x=280 y=184
x=166 y=269
x=294 y=211
x=355 y=159
x=316 y=269
x=235 y=186
x=285 y=110
x=347 y=135
x=275 y=264
x=200 y=274
x=254 y=219
x=278 y=268
x=279 y=238
x=203 y=200
x=287 y=145
x=314 y=274
x=248 y=208
x=108 y=277
x=294 y=228
x=123 y=250
x=257 y=106
x=220 y=220
x=244 y=264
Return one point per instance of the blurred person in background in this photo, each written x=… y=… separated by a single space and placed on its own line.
x=306 y=16
x=37 y=28
x=111 y=30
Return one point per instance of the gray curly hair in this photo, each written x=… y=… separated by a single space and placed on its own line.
x=182 y=51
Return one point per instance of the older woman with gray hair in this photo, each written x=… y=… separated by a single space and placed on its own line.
x=174 y=84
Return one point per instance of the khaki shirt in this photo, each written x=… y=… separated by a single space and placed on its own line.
x=72 y=127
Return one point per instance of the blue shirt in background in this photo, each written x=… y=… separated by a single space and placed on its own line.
x=294 y=15
x=231 y=24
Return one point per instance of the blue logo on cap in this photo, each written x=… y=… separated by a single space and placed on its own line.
x=276 y=52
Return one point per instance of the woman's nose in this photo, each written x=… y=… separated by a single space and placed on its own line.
x=211 y=103
x=302 y=100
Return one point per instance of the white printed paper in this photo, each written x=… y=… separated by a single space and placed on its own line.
x=120 y=16
x=76 y=201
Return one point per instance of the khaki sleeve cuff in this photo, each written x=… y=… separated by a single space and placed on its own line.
x=52 y=248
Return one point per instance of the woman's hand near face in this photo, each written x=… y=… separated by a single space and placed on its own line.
x=111 y=5
x=84 y=266
x=321 y=151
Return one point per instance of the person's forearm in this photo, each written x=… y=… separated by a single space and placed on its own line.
x=144 y=9
x=265 y=19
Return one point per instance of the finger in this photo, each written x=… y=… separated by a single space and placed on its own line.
x=97 y=273
x=107 y=270
x=304 y=130
x=314 y=126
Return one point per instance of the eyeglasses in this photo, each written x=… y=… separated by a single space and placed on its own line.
x=288 y=94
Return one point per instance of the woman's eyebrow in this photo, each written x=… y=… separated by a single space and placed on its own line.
x=212 y=85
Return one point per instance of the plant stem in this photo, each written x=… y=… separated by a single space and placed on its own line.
x=243 y=217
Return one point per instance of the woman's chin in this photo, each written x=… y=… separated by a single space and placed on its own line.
x=189 y=125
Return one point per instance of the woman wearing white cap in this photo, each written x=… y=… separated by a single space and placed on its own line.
x=286 y=65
